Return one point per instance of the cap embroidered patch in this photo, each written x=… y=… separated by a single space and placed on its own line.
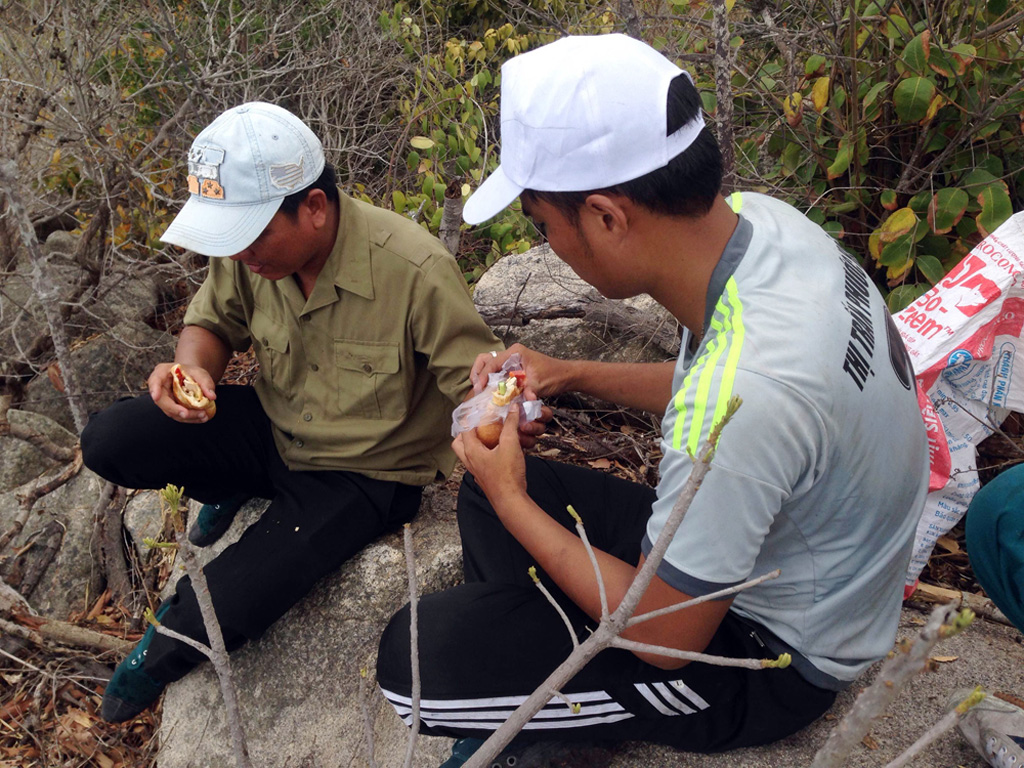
x=204 y=171
x=286 y=175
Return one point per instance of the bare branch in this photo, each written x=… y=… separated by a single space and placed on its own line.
x=910 y=658
x=410 y=562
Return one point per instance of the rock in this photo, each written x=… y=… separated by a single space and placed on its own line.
x=143 y=519
x=536 y=299
x=110 y=365
x=22 y=461
x=298 y=685
x=70 y=582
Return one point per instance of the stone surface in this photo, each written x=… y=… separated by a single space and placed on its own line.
x=536 y=299
x=298 y=685
x=71 y=582
x=110 y=365
x=23 y=462
x=143 y=519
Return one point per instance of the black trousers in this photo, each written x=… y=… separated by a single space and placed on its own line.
x=484 y=646
x=315 y=521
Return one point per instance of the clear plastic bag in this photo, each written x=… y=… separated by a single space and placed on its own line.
x=482 y=408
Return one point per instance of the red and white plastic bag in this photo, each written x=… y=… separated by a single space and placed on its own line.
x=963 y=337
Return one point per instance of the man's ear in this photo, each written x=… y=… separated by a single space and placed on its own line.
x=612 y=211
x=316 y=204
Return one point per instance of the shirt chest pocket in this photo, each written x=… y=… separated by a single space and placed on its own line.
x=370 y=381
x=270 y=341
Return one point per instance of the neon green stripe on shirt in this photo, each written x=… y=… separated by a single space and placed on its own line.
x=727 y=324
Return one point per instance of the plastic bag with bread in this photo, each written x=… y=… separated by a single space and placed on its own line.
x=485 y=412
x=188 y=392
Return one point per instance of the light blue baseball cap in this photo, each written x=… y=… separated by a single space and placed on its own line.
x=240 y=168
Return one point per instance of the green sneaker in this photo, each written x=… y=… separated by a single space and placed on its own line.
x=994 y=727
x=130 y=690
x=213 y=521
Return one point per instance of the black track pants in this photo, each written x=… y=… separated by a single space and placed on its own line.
x=315 y=521
x=485 y=645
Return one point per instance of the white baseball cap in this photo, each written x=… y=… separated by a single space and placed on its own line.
x=582 y=113
x=240 y=168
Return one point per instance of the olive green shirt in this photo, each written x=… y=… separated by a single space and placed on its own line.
x=363 y=375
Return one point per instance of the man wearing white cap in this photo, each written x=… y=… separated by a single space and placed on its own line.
x=365 y=333
x=821 y=473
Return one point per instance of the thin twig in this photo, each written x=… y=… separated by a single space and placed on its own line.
x=704 y=598
x=367 y=721
x=601 y=591
x=910 y=658
x=410 y=562
x=554 y=603
x=950 y=719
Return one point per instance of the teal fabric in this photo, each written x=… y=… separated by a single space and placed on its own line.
x=995 y=541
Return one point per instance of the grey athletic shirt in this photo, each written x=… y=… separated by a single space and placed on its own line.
x=822 y=473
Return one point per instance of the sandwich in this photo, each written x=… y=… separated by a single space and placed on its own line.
x=508 y=389
x=188 y=392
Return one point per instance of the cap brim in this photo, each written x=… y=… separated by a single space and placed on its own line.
x=216 y=229
x=495 y=194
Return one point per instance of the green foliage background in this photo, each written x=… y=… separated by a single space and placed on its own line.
x=898 y=125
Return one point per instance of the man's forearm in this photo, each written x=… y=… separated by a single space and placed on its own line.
x=205 y=349
x=647 y=386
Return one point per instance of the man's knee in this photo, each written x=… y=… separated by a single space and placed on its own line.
x=107 y=439
x=99 y=442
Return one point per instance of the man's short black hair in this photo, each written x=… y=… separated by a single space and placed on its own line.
x=327 y=181
x=687 y=186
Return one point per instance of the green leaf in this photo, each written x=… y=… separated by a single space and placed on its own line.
x=896 y=253
x=888 y=199
x=834 y=228
x=421 y=142
x=842 y=162
x=872 y=106
x=987 y=130
x=978 y=179
x=997 y=7
x=916 y=53
x=903 y=296
x=815 y=65
x=912 y=97
x=930 y=267
x=946 y=209
x=791 y=158
x=995 y=209
x=936 y=245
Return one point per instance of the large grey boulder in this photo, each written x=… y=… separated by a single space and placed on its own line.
x=21 y=461
x=535 y=298
x=71 y=582
x=110 y=365
x=298 y=685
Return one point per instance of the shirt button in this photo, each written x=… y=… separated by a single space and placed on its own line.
x=299 y=443
x=265 y=342
x=314 y=367
x=307 y=417
x=305 y=318
x=367 y=367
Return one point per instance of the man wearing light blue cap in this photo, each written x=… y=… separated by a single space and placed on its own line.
x=603 y=142
x=365 y=332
